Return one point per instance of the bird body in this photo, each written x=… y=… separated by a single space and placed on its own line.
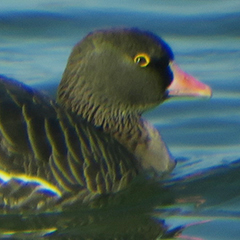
x=43 y=141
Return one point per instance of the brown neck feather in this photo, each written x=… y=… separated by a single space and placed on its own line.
x=125 y=126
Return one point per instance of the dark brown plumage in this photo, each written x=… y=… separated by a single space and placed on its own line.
x=92 y=141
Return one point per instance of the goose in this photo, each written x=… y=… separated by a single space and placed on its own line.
x=91 y=140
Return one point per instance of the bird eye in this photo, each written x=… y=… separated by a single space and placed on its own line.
x=142 y=59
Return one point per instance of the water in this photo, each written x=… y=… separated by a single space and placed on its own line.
x=204 y=135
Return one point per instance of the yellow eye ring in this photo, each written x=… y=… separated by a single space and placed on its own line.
x=142 y=59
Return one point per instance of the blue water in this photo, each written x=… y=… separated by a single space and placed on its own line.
x=204 y=135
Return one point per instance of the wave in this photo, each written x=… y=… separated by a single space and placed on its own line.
x=36 y=23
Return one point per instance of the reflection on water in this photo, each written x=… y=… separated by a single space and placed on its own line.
x=145 y=210
x=126 y=215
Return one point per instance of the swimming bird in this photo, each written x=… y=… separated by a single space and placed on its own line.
x=91 y=140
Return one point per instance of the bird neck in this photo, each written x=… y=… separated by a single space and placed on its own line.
x=128 y=128
x=122 y=122
x=125 y=126
x=136 y=134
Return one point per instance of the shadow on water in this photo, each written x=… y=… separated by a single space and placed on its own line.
x=126 y=215
x=138 y=212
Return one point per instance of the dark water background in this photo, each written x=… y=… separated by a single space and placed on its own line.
x=36 y=38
